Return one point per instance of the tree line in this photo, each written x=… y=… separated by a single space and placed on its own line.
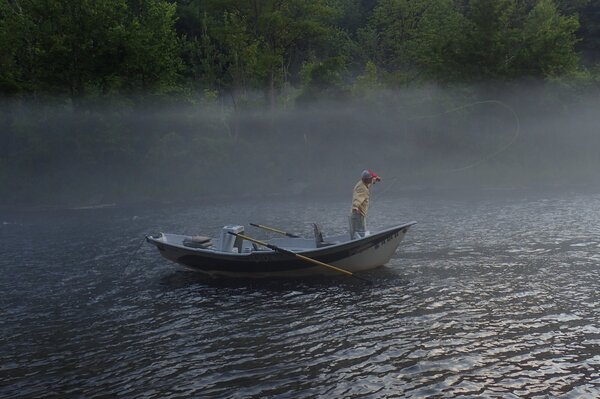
x=287 y=50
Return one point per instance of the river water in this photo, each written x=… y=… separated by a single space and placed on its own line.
x=494 y=295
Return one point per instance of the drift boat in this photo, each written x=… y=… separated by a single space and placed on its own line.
x=234 y=255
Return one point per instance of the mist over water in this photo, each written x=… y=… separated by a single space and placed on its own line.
x=533 y=136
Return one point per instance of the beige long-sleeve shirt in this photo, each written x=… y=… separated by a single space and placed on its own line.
x=360 y=198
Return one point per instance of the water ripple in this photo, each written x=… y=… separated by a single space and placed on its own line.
x=492 y=298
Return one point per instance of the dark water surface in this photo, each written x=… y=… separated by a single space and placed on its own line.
x=487 y=296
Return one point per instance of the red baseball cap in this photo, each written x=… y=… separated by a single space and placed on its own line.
x=373 y=174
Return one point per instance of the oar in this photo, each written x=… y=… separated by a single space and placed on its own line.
x=285 y=233
x=302 y=257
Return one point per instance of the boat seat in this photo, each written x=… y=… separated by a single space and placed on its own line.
x=319 y=242
x=197 y=242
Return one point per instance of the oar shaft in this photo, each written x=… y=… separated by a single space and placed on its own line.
x=304 y=258
x=316 y=262
x=285 y=233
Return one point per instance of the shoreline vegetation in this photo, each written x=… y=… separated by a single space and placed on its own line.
x=122 y=101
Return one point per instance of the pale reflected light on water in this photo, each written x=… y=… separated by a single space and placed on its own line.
x=492 y=297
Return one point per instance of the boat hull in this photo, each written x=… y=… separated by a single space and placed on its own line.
x=354 y=256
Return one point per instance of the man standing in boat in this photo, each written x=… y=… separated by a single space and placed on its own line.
x=360 y=203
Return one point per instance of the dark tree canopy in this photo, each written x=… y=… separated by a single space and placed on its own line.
x=229 y=48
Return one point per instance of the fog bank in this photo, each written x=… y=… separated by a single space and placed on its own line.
x=65 y=154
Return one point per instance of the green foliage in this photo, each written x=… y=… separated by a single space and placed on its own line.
x=12 y=22
x=438 y=48
x=548 y=42
x=157 y=47
x=435 y=40
x=367 y=85
x=394 y=26
x=572 y=7
x=323 y=79
x=258 y=44
x=89 y=47
x=508 y=39
x=492 y=38
x=151 y=61
x=589 y=45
